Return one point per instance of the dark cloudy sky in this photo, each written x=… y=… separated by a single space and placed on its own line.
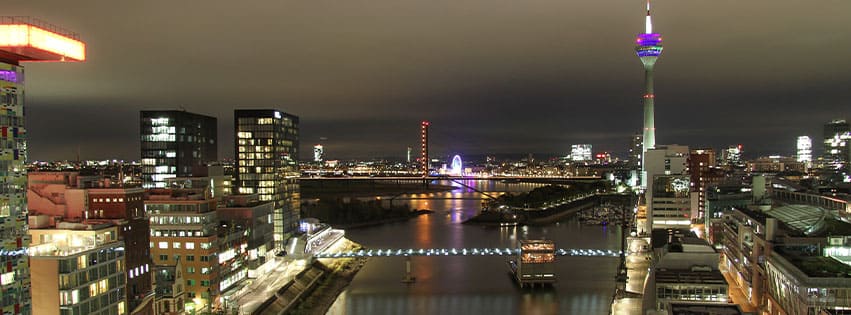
x=493 y=76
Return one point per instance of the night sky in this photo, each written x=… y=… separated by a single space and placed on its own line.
x=492 y=76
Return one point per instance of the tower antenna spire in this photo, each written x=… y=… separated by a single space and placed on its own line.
x=648 y=25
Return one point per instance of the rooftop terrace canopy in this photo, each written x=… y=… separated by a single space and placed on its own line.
x=27 y=39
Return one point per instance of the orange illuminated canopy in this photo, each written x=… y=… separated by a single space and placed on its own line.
x=21 y=41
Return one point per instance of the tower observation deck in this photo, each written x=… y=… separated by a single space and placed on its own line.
x=648 y=47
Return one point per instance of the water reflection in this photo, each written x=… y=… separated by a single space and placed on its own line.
x=476 y=285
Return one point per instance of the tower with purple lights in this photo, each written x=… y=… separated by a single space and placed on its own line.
x=648 y=47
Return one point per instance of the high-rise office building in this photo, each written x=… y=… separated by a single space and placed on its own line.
x=635 y=151
x=267 y=164
x=648 y=47
x=21 y=40
x=805 y=150
x=837 y=143
x=318 y=153
x=175 y=143
x=580 y=153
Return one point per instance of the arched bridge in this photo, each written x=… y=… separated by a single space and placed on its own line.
x=399 y=252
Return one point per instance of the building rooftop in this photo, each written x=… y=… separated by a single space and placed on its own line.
x=804 y=218
x=689 y=276
x=815 y=266
x=691 y=308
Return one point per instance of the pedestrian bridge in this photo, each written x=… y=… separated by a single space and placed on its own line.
x=462 y=252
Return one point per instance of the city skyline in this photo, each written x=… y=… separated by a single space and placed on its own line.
x=362 y=78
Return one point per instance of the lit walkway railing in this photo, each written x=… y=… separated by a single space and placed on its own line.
x=399 y=252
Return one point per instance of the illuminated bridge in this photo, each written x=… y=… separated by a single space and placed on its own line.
x=462 y=252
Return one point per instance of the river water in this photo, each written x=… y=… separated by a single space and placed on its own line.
x=476 y=285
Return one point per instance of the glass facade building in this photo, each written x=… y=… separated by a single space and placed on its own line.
x=175 y=144
x=266 y=149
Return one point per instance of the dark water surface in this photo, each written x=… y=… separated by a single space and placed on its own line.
x=476 y=285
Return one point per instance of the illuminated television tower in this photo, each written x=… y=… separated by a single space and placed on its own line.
x=648 y=47
x=424 y=145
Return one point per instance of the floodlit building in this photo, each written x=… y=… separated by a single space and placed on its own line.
x=22 y=39
x=175 y=143
x=267 y=164
x=80 y=268
x=318 y=153
x=580 y=153
x=804 y=151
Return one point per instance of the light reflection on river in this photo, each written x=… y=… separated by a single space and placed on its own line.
x=476 y=285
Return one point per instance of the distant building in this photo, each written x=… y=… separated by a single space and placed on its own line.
x=266 y=149
x=732 y=156
x=805 y=150
x=837 y=135
x=580 y=153
x=175 y=143
x=776 y=164
x=318 y=153
x=635 y=152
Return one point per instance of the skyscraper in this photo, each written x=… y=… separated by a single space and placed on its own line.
x=267 y=164
x=21 y=40
x=837 y=143
x=648 y=47
x=175 y=143
x=805 y=150
x=318 y=153
x=635 y=151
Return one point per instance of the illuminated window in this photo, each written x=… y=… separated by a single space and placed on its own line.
x=163 y=245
